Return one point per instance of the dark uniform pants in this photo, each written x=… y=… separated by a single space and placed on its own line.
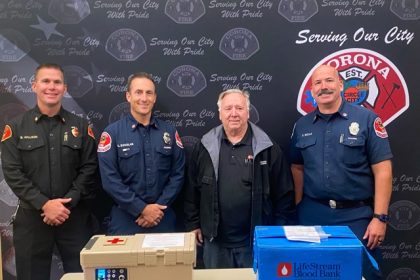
x=311 y=212
x=34 y=242
x=123 y=223
x=217 y=256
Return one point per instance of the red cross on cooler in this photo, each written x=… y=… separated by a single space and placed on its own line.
x=115 y=241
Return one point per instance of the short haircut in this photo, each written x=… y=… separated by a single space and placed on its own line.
x=137 y=76
x=234 y=90
x=50 y=66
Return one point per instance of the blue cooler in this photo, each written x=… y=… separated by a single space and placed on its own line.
x=338 y=257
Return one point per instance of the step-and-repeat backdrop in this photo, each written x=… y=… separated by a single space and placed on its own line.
x=195 y=49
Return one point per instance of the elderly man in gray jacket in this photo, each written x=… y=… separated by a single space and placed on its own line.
x=237 y=178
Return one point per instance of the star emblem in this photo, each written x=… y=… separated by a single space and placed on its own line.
x=47 y=28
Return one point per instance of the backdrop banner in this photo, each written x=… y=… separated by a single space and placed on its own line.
x=195 y=49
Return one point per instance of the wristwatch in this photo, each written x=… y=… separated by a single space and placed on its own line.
x=384 y=218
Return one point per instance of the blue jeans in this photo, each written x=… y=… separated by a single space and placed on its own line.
x=217 y=256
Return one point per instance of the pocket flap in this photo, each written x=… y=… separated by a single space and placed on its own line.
x=354 y=142
x=30 y=144
x=126 y=152
x=305 y=142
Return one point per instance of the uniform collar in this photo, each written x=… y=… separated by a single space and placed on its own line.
x=246 y=140
x=38 y=115
x=134 y=124
x=342 y=111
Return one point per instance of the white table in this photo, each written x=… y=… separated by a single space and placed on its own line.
x=198 y=274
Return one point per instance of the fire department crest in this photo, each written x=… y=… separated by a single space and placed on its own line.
x=370 y=80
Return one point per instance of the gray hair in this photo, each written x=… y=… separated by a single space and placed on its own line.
x=234 y=90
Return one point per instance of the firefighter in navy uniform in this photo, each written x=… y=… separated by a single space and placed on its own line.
x=49 y=161
x=141 y=160
x=341 y=165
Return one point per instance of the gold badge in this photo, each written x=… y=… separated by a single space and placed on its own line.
x=75 y=131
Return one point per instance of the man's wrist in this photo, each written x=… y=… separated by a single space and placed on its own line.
x=384 y=218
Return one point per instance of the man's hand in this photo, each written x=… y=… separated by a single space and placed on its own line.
x=151 y=216
x=198 y=236
x=375 y=233
x=55 y=212
x=142 y=222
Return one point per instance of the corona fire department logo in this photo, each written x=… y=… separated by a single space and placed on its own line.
x=105 y=142
x=370 y=80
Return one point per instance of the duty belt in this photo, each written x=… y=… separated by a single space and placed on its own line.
x=342 y=204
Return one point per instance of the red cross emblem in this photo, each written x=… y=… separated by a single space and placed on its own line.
x=115 y=241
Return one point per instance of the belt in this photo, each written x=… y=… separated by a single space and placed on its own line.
x=342 y=204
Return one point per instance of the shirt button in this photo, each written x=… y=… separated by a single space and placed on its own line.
x=51 y=134
x=147 y=155
x=52 y=148
x=326 y=163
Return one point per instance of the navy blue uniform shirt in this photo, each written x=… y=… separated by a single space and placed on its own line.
x=337 y=152
x=141 y=165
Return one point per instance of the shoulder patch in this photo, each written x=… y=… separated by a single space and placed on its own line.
x=7 y=133
x=178 y=140
x=104 y=142
x=90 y=131
x=379 y=128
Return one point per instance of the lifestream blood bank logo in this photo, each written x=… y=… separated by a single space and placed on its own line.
x=284 y=269
x=370 y=80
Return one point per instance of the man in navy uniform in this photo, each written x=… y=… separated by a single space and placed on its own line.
x=141 y=160
x=341 y=165
x=49 y=161
x=237 y=178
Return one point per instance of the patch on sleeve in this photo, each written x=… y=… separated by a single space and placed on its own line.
x=7 y=133
x=90 y=131
x=380 y=128
x=104 y=142
x=178 y=140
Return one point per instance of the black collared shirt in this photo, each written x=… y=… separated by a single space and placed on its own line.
x=46 y=158
x=235 y=190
